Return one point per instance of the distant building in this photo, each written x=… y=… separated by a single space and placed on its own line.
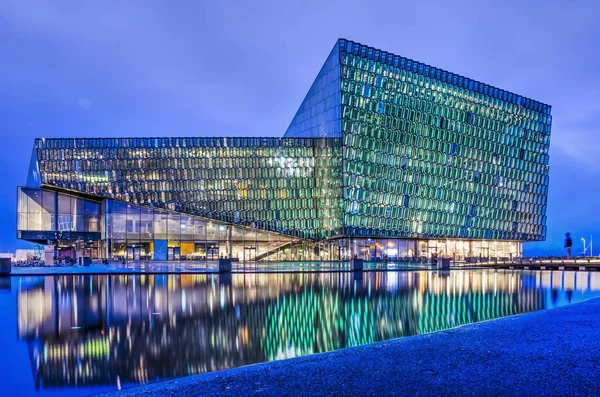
x=385 y=158
x=23 y=255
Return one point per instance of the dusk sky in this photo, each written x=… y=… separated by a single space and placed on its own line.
x=117 y=68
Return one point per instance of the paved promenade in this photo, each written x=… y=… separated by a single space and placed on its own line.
x=170 y=267
x=212 y=267
x=548 y=353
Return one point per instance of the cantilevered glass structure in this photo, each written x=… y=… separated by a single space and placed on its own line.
x=386 y=158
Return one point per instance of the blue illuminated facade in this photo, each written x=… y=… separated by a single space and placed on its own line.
x=386 y=158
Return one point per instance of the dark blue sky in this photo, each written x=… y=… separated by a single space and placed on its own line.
x=187 y=68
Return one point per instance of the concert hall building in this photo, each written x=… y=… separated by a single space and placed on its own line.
x=386 y=158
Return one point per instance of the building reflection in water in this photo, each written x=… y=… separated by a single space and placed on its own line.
x=91 y=330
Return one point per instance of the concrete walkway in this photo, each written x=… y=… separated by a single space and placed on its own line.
x=548 y=353
x=212 y=267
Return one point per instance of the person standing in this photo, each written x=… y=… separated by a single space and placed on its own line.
x=568 y=245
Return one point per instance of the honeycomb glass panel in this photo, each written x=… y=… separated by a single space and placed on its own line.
x=439 y=139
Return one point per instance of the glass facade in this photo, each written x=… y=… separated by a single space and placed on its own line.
x=383 y=150
x=320 y=113
x=398 y=250
x=118 y=230
x=45 y=210
x=289 y=186
x=144 y=233
x=431 y=154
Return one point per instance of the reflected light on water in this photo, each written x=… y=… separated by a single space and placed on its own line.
x=92 y=331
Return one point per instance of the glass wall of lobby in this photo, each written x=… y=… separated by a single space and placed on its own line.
x=70 y=223
x=116 y=230
x=145 y=233
x=381 y=249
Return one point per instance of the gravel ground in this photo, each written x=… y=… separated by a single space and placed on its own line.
x=548 y=353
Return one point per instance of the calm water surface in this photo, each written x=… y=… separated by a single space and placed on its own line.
x=81 y=335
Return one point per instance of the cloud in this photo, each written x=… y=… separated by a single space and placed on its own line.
x=144 y=57
x=579 y=145
x=84 y=103
x=576 y=127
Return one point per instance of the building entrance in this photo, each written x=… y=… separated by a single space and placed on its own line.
x=249 y=253
x=133 y=253
x=174 y=254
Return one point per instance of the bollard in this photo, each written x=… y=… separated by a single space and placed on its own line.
x=5 y=266
x=443 y=263
x=224 y=265
x=356 y=264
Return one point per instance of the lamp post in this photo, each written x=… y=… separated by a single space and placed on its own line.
x=584 y=248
